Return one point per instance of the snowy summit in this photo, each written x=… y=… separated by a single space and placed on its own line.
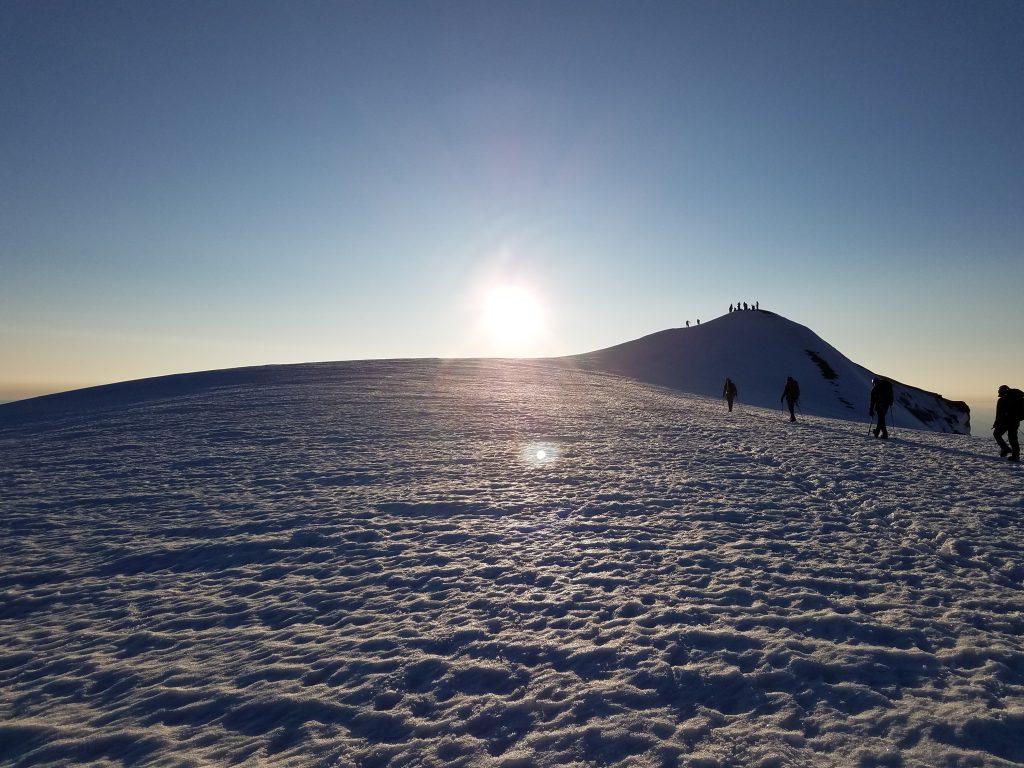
x=508 y=564
x=758 y=350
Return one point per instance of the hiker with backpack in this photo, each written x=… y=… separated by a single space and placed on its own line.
x=1009 y=412
x=791 y=394
x=729 y=392
x=881 y=401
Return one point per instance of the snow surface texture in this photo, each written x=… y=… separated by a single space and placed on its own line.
x=417 y=563
x=758 y=350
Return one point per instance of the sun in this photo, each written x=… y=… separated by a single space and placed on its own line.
x=512 y=315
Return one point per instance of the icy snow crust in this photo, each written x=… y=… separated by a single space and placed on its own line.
x=370 y=564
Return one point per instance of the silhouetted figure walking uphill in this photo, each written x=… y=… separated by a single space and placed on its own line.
x=881 y=401
x=729 y=392
x=1009 y=412
x=791 y=394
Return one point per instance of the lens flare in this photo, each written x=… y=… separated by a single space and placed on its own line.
x=538 y=454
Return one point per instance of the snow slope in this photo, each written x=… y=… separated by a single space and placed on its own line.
x=418 y=563
x=758 y=350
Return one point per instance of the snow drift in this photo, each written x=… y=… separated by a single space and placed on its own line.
x=487 y=563
x=758 y=350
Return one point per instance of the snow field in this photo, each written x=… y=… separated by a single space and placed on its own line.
x=370 y=564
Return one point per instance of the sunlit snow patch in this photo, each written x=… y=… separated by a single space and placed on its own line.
x=536 y=454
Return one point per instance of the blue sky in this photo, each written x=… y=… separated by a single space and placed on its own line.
x=202 y=185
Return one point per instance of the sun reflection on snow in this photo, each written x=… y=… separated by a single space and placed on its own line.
x=537 y=454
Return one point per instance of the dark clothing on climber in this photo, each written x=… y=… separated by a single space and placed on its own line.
x=881 y=401
x=729 y=392
x=1009 y=411
x=791 y=394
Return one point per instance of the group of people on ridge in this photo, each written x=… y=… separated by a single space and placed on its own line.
x=1009 y=410
x=743 y=305
x=740 y=305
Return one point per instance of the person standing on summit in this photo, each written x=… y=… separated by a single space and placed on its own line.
x=1009 y=412
x=791 y=394
x=881 y=401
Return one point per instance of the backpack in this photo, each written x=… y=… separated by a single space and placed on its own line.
x=1016 y=404
x=730 y=389
x=883 y=392
x=792 y=390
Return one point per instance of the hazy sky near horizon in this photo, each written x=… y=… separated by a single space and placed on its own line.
x=197 y=185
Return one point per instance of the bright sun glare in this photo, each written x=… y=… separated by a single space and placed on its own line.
x=512 y=314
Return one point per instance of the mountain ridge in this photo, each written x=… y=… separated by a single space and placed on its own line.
x=758 y=349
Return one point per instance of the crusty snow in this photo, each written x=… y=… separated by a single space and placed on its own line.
x=497 y=563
